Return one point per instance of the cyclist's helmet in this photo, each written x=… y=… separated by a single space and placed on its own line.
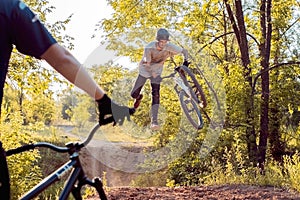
x=162 y=34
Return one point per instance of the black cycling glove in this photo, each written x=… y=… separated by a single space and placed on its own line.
x=186 y=63
x=109 y=111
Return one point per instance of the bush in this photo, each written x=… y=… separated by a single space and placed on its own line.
x=23 y=168
x=154 y=179
x=28 y=168
x=231 y=167
x=292 y=170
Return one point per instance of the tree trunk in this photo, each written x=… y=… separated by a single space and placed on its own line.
x=277 y=147
x=265 y=46
x=238 y=26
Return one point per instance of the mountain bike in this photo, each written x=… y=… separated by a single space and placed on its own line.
x=77 y=178
x=190 y=93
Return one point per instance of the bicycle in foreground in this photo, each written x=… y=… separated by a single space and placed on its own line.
x=77 y=178
x=190 y=94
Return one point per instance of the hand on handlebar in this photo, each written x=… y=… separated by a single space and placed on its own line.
x=109 y=111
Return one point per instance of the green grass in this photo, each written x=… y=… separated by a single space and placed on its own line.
x=283 y=175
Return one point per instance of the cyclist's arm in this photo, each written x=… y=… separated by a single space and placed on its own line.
x=147 y=56
x=175 y=49
x=68 y=66
x=185 y=54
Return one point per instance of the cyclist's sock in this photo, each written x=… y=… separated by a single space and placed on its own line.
x=154 y=113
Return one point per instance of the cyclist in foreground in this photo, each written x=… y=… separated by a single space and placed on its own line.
x=151 y=67
x=19 y=26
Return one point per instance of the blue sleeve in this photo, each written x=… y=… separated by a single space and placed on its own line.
x=29 y=35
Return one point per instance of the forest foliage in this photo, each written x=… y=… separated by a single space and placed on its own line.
x=248 y=46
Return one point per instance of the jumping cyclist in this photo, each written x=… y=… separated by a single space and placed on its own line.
x=151 y=67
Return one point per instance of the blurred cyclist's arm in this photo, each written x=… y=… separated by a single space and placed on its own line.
x=68 y=66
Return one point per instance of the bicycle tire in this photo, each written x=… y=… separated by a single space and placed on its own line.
x=192 y=82
x=191 y=110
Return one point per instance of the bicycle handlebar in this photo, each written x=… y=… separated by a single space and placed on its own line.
x=56 y=148
x=33 y=146
x=20 y=149
x=90 y=136
x=173 y=73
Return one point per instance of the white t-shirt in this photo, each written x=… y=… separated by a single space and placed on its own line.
x=156 y=58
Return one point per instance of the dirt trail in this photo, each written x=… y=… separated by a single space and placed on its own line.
x=223 y=192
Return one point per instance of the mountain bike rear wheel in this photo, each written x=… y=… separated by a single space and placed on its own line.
x=191 y=110
x=192 y=82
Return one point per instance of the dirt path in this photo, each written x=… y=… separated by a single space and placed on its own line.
x=224 y=192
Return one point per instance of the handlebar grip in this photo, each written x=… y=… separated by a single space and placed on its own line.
x=19 y=149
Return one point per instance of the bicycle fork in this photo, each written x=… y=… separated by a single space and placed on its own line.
x=79 y=176
x=83 y=180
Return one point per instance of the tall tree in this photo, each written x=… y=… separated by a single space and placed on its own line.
x=265 y=50
x=239 y=28
x=283 y=57
x=265 y=47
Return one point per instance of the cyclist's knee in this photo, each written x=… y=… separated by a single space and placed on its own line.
x=135 y=93
x=155 y=91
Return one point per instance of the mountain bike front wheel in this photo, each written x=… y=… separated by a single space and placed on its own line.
x=191 y=110
x=192 y=82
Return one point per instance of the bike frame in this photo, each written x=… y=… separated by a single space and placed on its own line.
x=74 y=166
x=55 y=176
x=179 y=81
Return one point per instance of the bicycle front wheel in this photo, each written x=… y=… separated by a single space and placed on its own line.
x=192 y=82
x=191 y=110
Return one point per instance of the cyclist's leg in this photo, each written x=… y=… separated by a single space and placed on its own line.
x=135 y=92
x=20 y=26
x=138 y=85
x=155 y=85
